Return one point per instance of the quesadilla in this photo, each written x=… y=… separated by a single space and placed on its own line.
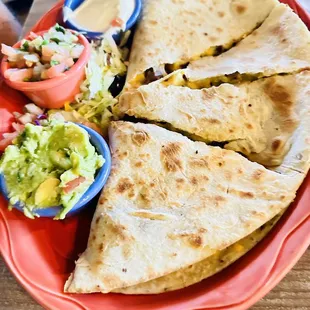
x=204 y=269
x=256 y=118
x=173 y=32
x=169 y=203
x=280 y=45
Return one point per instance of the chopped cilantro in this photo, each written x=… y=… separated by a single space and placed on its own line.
x=60 y=29
x=54 y=62
x=55 y=40
x=25 y=46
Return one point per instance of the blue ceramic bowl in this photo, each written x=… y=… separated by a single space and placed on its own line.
x=73 y=4
x=101 y=177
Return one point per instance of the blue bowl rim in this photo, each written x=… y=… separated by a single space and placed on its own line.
x=93 y=34
x=102 y=175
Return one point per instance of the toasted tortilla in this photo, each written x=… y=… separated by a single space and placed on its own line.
x=175 y=32
x=280 y=45
x=256 y=118
x=170 y=203
x=204 y=269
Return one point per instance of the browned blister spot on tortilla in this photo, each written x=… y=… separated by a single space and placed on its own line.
x=219 y=198
x=126 y=250
x=100 y=247
x=213 y=39
x=170 y=156
x=195 y=241
x=139 y=138
x=249 y=126
x=276 y=145
x=119 y=231
x=213 y=121
x=258 y=214
x=111 y=281
x=103 y=200
x=246 y=195
x=240 y=9
x=124 y=185
x=283 y=99
x=150 y=216
x=240 y=171
x=139 y=164
x=194 y=180
x=198 y=163
x=258 y=174
x=218 y=29
x=242 y=194
x=228 y=175
x=221 y=14
x=145 y=156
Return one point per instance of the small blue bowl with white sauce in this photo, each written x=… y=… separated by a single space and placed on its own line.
x=93 y=18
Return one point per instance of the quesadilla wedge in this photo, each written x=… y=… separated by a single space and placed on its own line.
x=295 y=164
x=204 y=269
x=280 y=45
x=256 y=118
x=171 y=33
x=169 y=203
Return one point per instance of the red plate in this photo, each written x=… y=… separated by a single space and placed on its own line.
x=41 y=253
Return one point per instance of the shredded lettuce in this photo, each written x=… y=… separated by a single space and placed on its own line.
x=95 y=102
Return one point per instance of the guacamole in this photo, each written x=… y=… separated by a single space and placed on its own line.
x=49 y=166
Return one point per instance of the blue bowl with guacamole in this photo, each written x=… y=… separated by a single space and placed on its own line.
x=93 y=17
x=101 y=177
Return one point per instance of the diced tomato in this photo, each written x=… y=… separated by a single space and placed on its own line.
x=70 y=186
x=32 y=36
x=55 y=70
x=18 y=74
x=117 y=22
x=7 y=140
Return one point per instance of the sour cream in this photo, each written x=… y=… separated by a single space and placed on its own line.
x=100 y=15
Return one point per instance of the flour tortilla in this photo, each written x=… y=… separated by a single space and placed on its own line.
x=178 y=31
x=204 y=269
x=280 y=45
x=256 y=118
x=169 y=203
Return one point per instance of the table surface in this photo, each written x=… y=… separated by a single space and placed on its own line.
x=293 y=292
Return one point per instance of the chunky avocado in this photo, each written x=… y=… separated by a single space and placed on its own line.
x=49 y=166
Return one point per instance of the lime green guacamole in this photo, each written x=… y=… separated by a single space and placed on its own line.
x=49 y=166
